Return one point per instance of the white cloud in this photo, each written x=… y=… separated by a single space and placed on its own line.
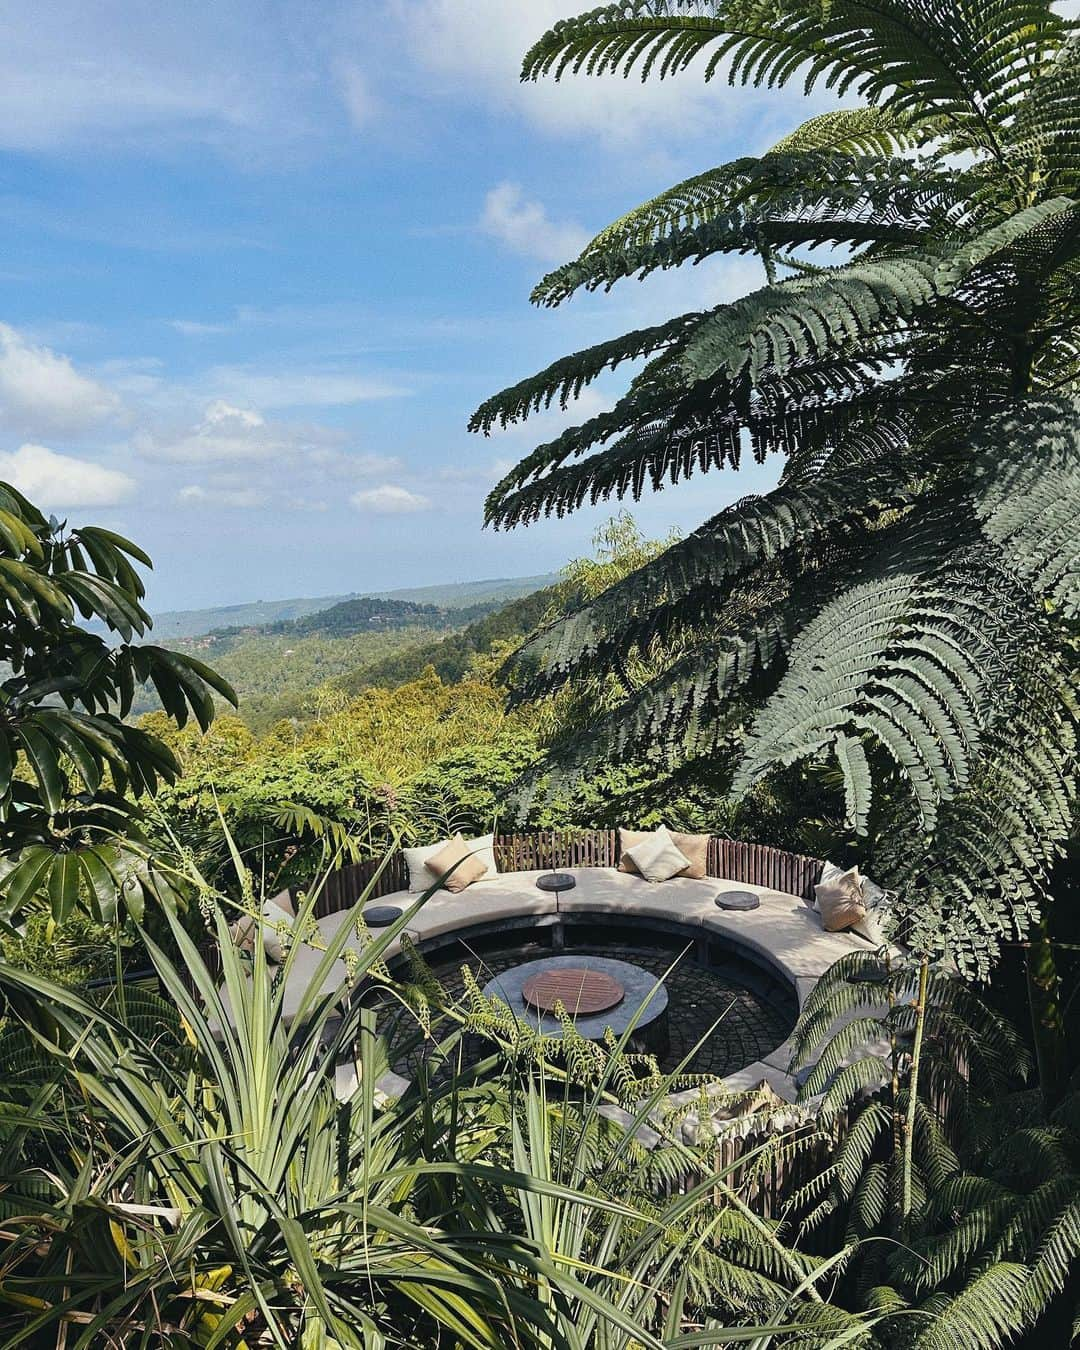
x=228 y=433
x=355 y=88
x=525 y=226
x=41 y=391
x=299 y=388
x=389 y=500
x=340 y=463
x=194 y=328
x=240 y=499
x=53 y=480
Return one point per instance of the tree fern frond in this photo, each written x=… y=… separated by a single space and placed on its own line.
x=564 y=379
x=988 y=1309
x=771 y=328
x=1029 y=504
x=747 y=533
x=849 y=131
x=779 y=201
x=899 y=54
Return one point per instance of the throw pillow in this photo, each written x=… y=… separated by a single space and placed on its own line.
x=658 y=859
x=629 y=839
x=484 y=848
x=874 y=898
x=275 y=911
x=840 y=902
x=466 y=866
x=274 y=908
x=276 y=924
x=694 y=846
x=415 y=858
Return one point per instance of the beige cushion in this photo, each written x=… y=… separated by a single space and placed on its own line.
x=467 y=866
x=416 y=859
x=695 y=847
x=657 y=858
x=840 y=901
x=276 y=910
x=873 y=897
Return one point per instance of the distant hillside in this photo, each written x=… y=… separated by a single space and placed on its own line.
x=452 y=654
x=462 y=594
x=186 y=623
x=362 y=615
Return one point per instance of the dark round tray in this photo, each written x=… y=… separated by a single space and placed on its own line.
x=556 y=881
x=378 y=916
x=738 y=900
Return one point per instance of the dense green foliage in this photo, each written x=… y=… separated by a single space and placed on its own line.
x=957 y=1187
x=451 y=657
x=242 y=1194
x=882 y=604
x=277 y=676
x=69 y=763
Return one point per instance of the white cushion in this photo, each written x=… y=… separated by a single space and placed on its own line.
x=875 y=899
x=274 y=919
x=484 y=848
x=420 y=879
x=275 y=909
x=657 y=858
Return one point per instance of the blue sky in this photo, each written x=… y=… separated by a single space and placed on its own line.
x=261 y=261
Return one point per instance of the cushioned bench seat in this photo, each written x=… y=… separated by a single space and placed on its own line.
x=784 y=932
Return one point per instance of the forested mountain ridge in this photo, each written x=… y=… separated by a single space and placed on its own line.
x=452 y=655
x=370 y=614
x=170 y=625
x=279 y=669
x=365 y=614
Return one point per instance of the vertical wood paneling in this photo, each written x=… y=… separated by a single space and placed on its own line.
x=733 y=860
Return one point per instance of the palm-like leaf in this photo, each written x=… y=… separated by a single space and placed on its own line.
x=67 y=757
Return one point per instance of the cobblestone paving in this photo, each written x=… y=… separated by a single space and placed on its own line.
x=756 y=1014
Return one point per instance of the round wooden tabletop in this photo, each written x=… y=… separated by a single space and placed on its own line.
x=578 y=989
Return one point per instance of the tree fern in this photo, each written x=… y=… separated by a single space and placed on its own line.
x=912 y=358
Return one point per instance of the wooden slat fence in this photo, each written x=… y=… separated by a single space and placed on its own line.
x=751 y=864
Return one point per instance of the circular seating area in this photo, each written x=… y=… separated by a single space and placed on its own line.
x=783 y=934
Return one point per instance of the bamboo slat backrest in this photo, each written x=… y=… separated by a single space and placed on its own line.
x=752 y=864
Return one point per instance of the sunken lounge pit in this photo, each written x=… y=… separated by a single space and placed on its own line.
x=732 y=974
x=699 y=1003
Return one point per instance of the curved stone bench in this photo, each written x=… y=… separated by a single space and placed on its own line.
x=784 y=934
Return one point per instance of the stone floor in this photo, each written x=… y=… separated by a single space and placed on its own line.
x=756 y=1013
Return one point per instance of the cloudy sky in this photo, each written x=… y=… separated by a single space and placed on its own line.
x=261 y=261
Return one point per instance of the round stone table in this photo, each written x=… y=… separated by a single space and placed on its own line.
x=650 y=1021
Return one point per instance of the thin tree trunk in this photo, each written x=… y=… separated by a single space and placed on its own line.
x=913 y=1095
x=1047 y=1021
